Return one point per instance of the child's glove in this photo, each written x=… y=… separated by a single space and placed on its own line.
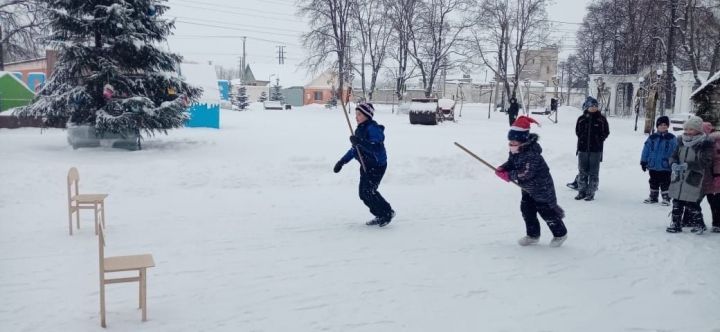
x=643 y=165
x=338 y=167
x=503 y=174
x=716 y=182
x=354 y=140
x=679 y=167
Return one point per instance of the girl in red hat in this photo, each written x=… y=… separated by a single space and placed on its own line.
x=526 y=166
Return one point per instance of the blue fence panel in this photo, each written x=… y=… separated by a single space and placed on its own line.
x=204 y=115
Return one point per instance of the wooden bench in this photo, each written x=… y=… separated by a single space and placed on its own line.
x=139 y=263
x=77 y=201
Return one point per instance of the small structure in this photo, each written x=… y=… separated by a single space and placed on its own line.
x=294 y=95
x=206 y=112
x=13 y=92
x=224 y=87
x=320 y=90
x=617 y=91
x=707 y=100
x=272 y=105
x=27 y=69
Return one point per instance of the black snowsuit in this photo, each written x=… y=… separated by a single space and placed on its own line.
x=513 y=112
x=529 y=170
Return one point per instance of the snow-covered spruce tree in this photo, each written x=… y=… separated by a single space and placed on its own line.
x=110 y=74
x=263 y=97
x=276 y=94
x=332 y=102
x=241 y=98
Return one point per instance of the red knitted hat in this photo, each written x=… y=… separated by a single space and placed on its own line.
x=520 y=129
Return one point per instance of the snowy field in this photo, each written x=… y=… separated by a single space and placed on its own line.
x=252 y=231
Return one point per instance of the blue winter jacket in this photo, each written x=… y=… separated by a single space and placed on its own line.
x=371 y=145
x=657 y=151
x=529 y=169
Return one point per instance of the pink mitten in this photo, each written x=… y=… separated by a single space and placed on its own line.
x=503 y=174
x=716 y=182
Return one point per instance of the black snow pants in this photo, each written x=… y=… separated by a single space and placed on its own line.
x=551 y=213
x=369 y=183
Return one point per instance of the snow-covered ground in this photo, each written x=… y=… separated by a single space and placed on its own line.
x=252 y=231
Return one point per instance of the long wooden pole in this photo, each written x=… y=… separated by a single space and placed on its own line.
x=482 y=161
x=347 y=118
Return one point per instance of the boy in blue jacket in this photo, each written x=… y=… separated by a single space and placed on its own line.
x=656 y=158
x=369 y=142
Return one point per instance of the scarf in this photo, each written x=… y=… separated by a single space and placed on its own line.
x=691 y=141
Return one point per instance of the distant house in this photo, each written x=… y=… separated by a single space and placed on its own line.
x=320 y=89
x=248 y=78
x=13 y=92
x=34 y=72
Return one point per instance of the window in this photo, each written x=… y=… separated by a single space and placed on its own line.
x=318 y=95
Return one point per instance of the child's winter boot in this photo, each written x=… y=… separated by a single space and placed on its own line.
x=665 y=199
x=558 y=241
x=653 y=197
x=386 y=220
x=528 y=240
x=675 y=226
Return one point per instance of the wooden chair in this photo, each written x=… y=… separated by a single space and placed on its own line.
x=77 y=202
x=138 y=263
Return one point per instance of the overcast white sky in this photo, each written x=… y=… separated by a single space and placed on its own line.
x=210 y=30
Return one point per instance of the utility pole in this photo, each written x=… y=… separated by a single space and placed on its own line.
x=242 y=70
x=281 y=55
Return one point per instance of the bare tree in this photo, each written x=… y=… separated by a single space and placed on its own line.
x=22 y=22
x=531 y=32
x=435 y=38
x=403 y=15
x=329 y=35
x=505 y=31
x=373 y=31
x=224 y=73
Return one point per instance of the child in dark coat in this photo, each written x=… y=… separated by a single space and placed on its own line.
x=656 y=158
x=369 y=141
x=527 y=168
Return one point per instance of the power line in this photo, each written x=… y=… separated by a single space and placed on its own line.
x=235 y=24
x=233 y=37
x=242 y=13
x=235 y=29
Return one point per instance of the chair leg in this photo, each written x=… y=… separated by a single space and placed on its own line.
x=102 y=303
x=102 y=208
x=77 y=217
x=143 y=290
x=70 y=219
x=95 y=206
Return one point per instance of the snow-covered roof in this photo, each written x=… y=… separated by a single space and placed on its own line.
x=11 y=74
x=714 y=79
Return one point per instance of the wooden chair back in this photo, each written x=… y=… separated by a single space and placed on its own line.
x=73 y=180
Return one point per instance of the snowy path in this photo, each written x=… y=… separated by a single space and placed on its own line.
x=251 y=231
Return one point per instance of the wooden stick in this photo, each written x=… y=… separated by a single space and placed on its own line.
x=483 y=161
x=347 y=118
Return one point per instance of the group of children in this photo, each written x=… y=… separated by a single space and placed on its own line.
x=686 y=169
